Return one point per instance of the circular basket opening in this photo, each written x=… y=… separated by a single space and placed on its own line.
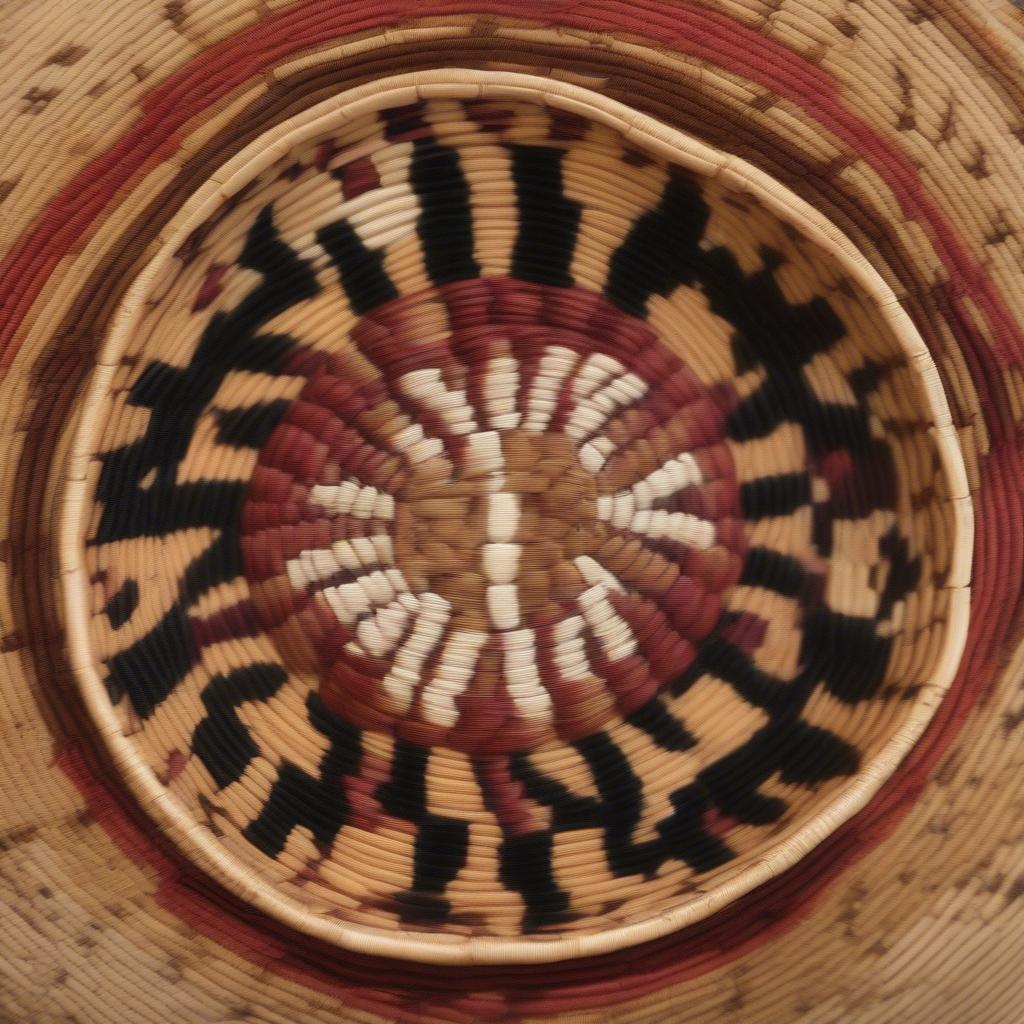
x=505 y=529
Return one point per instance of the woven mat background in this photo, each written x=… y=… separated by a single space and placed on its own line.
x=902 y=121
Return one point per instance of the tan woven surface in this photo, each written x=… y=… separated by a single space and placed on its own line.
x=900 y=124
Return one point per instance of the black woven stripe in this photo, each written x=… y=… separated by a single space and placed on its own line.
x=723 y=660
x=846 y=653
x=568 y=811
x=548 y=220
x=120 y=608
x=685 y=837
x=774 y=571
x=250 y=427
x=662 y=726
x=317 y=802
x=221 y=741
x=526 y=867
x=445 y=225
x=662 y=249
x=442 y=843
x=779 y=495
x=622 y=800
x=297 y=798
x=155 y=664
x=177 y=397
x=360 y=270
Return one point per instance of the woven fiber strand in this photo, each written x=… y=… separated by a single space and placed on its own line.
x=914 y=163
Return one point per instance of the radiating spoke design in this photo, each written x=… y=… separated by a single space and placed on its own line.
x=454 y=671
x=427 y=631
x=593 y=412
x=528 y=570
x=427 y=387
x=351 y=601
x=349 y=498
x=556 y=365
x=523 y=681
x=501 y=393
x=316 y=565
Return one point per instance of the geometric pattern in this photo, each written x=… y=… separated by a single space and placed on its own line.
x=506 y=539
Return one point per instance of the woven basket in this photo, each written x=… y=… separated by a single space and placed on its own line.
x=512 y=513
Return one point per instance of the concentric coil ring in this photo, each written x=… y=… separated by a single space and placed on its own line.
x=519 y=477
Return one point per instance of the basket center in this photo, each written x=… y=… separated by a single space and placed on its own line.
x=494 y=540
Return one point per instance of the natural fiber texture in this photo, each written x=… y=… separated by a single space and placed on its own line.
x=516 y=517
x=508 y=503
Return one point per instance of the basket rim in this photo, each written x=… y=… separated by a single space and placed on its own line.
x=649 y=135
